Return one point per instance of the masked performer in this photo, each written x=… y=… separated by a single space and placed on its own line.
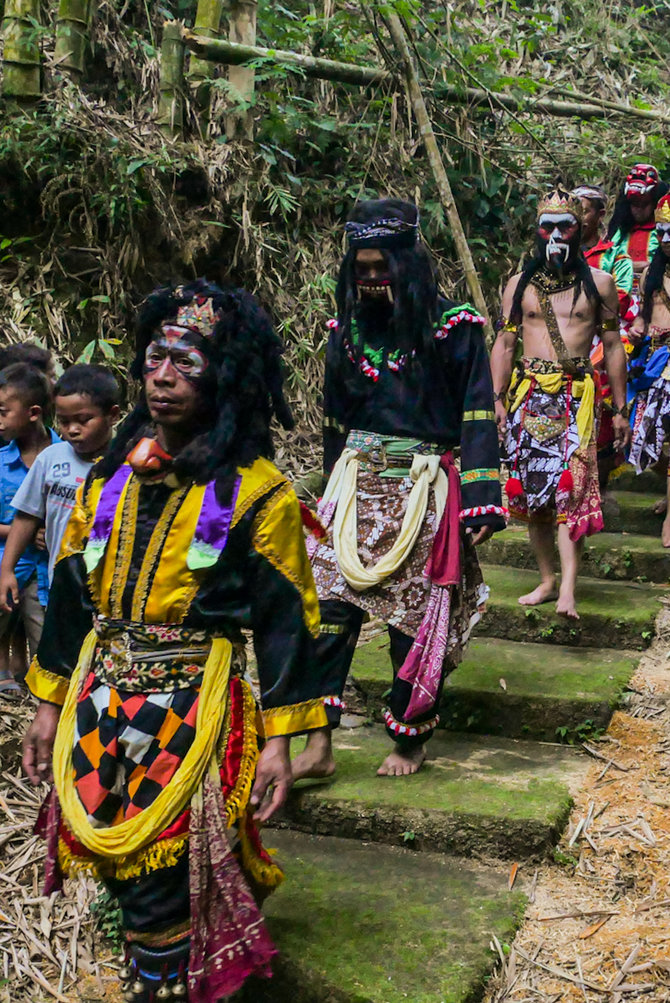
x=185 y=535
x=651 y=419
x=407 y=380
x=603 y=254
x=558 y=304
x=631 y=228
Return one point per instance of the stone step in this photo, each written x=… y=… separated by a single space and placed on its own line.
x=474 y=796
x=614 y=556
x=615 y=614
x=371 y=924
x=530 y=691
x=635 y=514
x=624 y=478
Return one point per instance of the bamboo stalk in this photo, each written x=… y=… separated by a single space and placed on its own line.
x=444 y=188
x=21 y=59
x=242 y=31
x=72 y=24
x=232 y=54
x=171 y=86
x=207 y=25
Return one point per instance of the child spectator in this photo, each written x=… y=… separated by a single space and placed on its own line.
x=34 y=355
x=25 y=405
x=86 y=400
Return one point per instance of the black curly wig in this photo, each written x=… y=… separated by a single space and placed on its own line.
x=246 y=394
x=652 y=283
x=415 y=303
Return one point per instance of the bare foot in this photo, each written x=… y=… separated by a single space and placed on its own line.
x=545 y=592
x=566 y=607
x=402 y=762
x=660 y=508
x=316 y=760
x=665 y=532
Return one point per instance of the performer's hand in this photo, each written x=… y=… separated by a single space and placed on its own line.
x=38 y=743
x=273 y=778
x=501 y=418
x=622 y=432
x=482 y=535
x=9 y=591
x=636 y=331
x=40 y=540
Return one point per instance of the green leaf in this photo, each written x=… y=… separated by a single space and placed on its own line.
x=106 y=349
x=87 y=354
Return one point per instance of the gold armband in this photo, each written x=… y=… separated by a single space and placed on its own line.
x=611 y=324
x=508 y=327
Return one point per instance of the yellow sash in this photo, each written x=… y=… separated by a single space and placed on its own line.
x=342 y=490
x=134 y=833
x=583 y=389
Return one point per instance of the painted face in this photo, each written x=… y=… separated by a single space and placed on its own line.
x=559 y=234
x=172 y=348
x=641 y=183
x=663 y=234
x=372 y=274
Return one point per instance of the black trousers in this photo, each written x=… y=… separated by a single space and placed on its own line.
x=341 y=624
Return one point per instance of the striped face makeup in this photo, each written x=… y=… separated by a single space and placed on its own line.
x=172 y=348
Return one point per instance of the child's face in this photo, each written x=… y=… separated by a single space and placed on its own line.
x=84 y=424
x=16 y=417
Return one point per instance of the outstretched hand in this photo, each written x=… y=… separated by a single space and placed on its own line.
x=38 y=743
x=273 y=779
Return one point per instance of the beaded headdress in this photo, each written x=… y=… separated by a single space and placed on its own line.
x=662 y=211
x=560 y=201
x=391 y=232
x=198 y=316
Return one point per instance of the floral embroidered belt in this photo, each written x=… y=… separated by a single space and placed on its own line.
x=578 y=367
x=153 y=657
x=390 y=455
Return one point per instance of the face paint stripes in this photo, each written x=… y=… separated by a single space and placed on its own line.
x=186 y=359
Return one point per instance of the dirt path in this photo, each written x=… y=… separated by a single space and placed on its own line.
x=611 y=878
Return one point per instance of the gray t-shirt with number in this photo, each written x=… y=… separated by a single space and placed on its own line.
x=48 y=492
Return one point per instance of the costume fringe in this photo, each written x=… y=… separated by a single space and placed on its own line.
x=266 y=874
x=237 y=801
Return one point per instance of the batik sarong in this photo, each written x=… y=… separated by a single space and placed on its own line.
x=651 y=416
x=544 y=438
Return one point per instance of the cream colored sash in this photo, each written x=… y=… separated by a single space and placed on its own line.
x=341 y=491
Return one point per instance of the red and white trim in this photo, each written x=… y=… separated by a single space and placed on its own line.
x=334 y=702
x=409 y=730
x=468 y=513
x=332 y=324
x=472 y=318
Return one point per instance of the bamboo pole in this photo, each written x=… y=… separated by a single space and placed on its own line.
x=21 y=58
x=207 y=25
x=231 y=54
x=171 y=86
x=444 y=188
x=72 y=25
x=242 y=31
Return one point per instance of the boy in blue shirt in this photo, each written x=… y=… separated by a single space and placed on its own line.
x=25 y=403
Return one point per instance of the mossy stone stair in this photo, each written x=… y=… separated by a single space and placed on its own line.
x=399 y=909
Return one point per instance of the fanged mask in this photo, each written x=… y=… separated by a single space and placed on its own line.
x=641 y=183
x=381 y=288
x=558 y=236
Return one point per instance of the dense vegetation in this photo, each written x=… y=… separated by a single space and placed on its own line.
x=97 y=206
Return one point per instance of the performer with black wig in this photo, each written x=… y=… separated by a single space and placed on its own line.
x=631 y=228
x=407 y=381
x=184 y=536
x=651 y=373
x=546 y=405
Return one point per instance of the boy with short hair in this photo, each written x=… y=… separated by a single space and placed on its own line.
x=25 y=406
x=86 y=400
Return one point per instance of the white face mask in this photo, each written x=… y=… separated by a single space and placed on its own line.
x=556 y=227
x=663 y=233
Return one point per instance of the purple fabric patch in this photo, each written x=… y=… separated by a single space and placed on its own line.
x=104 y=516
x=211 y=531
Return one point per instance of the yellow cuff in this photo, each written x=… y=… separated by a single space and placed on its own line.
x=46 y=685
x=293 y=719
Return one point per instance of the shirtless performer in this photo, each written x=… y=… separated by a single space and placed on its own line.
x=651 y=329
x=558 y=304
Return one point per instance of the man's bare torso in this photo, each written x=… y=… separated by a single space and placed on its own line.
x=660 y=314
x=576 y=321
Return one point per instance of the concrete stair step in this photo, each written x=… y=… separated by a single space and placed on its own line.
x=612 y=614
x=614 y=556
x=635 y=514
x=372 y=924
x=550 y=693
x=474 y=796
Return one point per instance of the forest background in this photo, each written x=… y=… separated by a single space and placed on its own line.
x=98 y=206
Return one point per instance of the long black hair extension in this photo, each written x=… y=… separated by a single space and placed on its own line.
x=584 y=283
x=652 y=283
x=412 y=323
x=247 y=391
x=622 y=216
